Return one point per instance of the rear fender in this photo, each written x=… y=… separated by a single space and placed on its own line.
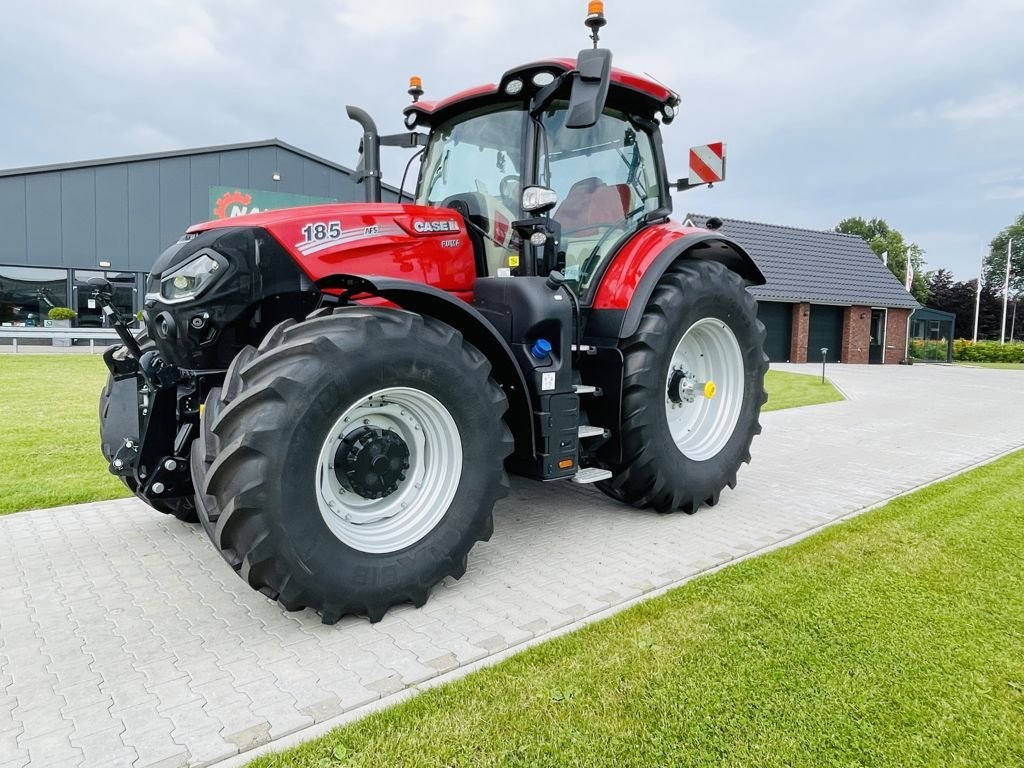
x=622 y=298
x=426 y=300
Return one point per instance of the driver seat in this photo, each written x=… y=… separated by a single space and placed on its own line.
x=591 y=201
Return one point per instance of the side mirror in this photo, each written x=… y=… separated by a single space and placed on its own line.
x=539 y=199
x=589 y=88
x=101 y=288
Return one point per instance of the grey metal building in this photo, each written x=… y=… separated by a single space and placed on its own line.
x=61 y=225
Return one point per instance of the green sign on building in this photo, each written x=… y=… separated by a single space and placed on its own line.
x=226 y=202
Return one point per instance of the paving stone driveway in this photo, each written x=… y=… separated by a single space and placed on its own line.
x=126 y=641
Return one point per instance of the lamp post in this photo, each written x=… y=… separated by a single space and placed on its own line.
x=977 y=300
x=1006 y=289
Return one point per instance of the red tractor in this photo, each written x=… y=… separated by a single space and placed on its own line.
x=337 y=391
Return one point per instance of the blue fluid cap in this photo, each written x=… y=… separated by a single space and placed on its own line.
x=541 y=349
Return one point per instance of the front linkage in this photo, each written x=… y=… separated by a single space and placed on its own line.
x=149 y=415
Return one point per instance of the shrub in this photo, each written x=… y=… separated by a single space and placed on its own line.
x=61 y=313
x=967 y=351
x=929 y=350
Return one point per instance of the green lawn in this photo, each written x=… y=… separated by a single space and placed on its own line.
x=1007 y=366
x=50 y=442
x=791 y=390
x=895 y=639
x=49 y=447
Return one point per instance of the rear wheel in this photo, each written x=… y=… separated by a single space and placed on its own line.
x=183 y=507
x=692 y=391
x=352 y=461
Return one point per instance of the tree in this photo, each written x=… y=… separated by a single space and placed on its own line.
x=995 y=262
x=884 y=239
x=960 y=298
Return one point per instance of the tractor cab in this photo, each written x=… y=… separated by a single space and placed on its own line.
x=538 y=192
x=553 y=168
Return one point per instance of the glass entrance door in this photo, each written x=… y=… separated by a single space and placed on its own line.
x=876 y=346
x=89 y=313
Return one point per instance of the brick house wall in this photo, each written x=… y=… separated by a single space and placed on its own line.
x=896 y=335
x=856 y=334
x=801 y=326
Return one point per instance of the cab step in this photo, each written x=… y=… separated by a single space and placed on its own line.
x=587 y=475
x=589 y=430
x=586 y=389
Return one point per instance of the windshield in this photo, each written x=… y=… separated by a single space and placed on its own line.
x=607 y=180
x=473 y=154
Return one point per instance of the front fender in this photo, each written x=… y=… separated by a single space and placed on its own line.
x=430 y=301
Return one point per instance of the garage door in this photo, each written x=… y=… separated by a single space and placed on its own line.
x=778 y=323
x=825 y=330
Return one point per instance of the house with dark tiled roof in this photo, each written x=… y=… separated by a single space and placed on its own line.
x=823 y=290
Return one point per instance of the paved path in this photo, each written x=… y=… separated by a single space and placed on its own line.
x=126 y=641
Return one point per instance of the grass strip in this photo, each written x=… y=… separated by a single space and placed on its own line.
x=794 y=390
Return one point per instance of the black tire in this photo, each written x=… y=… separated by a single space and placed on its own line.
x=654 y=471
x=254 y=465
x=184 y=507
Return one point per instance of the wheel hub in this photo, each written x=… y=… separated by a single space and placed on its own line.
x=372 y=461
x=681 y=387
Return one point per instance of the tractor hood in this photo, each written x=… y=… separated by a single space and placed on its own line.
x=413 y=242
x=224 y=280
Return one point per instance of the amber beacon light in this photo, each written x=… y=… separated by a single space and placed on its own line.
x=415 y=88
x=595 y=19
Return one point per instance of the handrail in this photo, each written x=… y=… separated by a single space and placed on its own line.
x=33 y=332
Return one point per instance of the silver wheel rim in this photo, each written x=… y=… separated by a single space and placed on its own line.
x=421 y=499
x=708 y=353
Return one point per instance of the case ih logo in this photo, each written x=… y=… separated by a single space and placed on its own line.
x=446 y=225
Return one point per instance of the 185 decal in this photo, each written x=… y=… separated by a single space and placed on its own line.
x=318 y=235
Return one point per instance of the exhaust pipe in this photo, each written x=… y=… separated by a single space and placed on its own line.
x=368 y=170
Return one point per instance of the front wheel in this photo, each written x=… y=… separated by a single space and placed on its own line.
x=693 y=387
x=352 y=462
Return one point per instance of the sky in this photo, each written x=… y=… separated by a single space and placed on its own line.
x=909 y=111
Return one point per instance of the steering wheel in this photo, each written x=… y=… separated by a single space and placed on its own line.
x=510 y=190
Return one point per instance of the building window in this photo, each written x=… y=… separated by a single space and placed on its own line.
x=935 y=330
x=89 y=313
x=27 y=294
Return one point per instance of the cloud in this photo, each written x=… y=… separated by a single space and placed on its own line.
x=415 y=18
x=851 y=107
x=1002 y=103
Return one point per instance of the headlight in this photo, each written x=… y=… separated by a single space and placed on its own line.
x=190 y=280
x=539 y=199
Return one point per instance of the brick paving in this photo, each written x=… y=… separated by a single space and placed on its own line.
x=125 y=640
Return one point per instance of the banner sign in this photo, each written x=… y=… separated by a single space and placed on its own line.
x=226 y=202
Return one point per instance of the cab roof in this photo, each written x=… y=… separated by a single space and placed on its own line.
x=635 y=92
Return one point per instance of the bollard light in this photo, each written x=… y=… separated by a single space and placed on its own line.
x=824 y=355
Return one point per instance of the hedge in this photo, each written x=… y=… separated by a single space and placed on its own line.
x=988 y=351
